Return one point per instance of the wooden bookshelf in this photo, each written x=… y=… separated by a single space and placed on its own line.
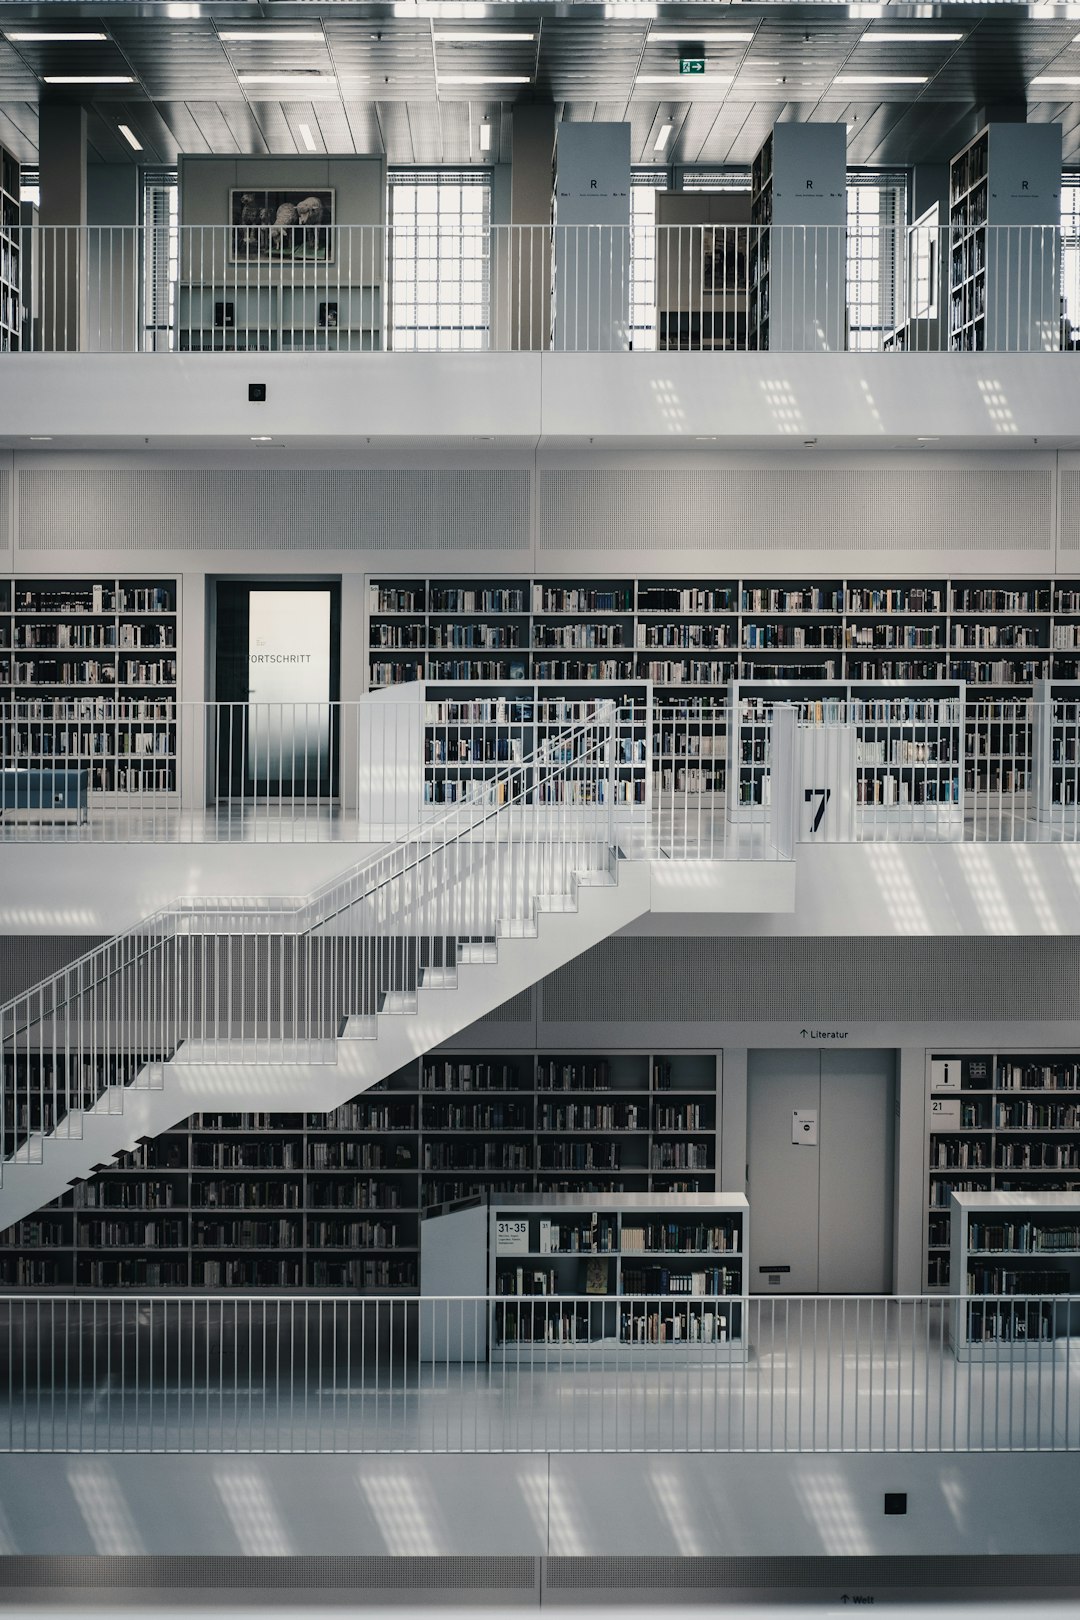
x=333 y=1201
x=997 y=1123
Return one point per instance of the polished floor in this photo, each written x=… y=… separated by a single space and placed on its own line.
x=818 y=1376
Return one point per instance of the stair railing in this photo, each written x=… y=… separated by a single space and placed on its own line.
x=280 y=979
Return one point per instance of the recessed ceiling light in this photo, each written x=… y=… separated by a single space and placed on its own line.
x=183 y=8
x=41 y=438
x=699 y=36
x=705 y=438
x=130 y=136
x=307 y=137
x=690 y=82
x=261 y=438
x=1055 y=78
x=53 y=37
x=87 y=78
x=663 y=137
x=485 y=36
x=881 y=78
x=256 y=36
x=630 y=8
x=874 y=37
x=440 y=8
x=290 y=76
x=485 y=136
x=929 y=438
x=484 y=78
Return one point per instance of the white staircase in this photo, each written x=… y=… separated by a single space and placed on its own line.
x=283 y=1005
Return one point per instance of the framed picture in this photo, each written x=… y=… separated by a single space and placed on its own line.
x=281 y=227
x=328 y=317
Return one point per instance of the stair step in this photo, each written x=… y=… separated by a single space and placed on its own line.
x=70 y=1128
x=595 y=880
x=477 y=950
x=556 y=902
x=111 y=1101
x=399 y=1001
x=517 y=928
x=360 y=1027
x=257 y=1049
x=439 y=978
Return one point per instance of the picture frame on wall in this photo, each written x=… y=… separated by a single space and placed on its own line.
x=282 y=225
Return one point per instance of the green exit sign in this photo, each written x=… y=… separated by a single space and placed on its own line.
x=691 y=64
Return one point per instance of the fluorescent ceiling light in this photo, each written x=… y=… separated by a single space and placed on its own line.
x=292 y=76
x=129 y=135
x=876 y=36
x=630 y=8
x=699 y=36
x=1055 y=78
x=663 y=137
x=41 y=438
x=484 y=78
x=484 y=36
x=87 y=78
x=307 y=137
x=261 y=438
x=52 y=36
x=257 y=35
x=485 y=136
x=181 y=8
x=881 y=78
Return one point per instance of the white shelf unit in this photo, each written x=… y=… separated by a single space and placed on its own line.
x=1055 y=752
x=90 y=670
x=648 y=1274
x=267 y=313
x=888 y=750
x=11 y=267
x=1013 y=1256
x=997 y=1122
x=1004 y=283
x=798 y=209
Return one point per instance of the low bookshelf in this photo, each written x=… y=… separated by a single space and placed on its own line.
x=640 y=1274
x=1016 y=1262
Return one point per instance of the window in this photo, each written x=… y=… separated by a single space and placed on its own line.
x=877 y=222
x=440 y=259
x=161 y=256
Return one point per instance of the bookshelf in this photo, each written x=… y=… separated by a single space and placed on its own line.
x=1013 y=1244
x=11 y=268
x=1055 y=751
x=997 y=1123
x=798 y=209
x=646 y=1273
x=1003 y=285
x=333 y=1201
x=89 y=671
x=690 y=638
x=701 y=270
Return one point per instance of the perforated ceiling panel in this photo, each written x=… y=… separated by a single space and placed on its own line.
x=5 y=509
x=272 y=509
x=875 y=509
x=706 y=980
x=1069 y=507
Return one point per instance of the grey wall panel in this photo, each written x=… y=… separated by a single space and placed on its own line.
x=1069 y=507
x=874 y=509
x=518 y=1010
x=5 y=509
x=669 y=980
x=26 y=959
x=272 y=509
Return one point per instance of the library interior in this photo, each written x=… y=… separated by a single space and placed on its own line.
x=613 y=515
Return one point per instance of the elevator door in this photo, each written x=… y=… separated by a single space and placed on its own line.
x=821 y=1207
